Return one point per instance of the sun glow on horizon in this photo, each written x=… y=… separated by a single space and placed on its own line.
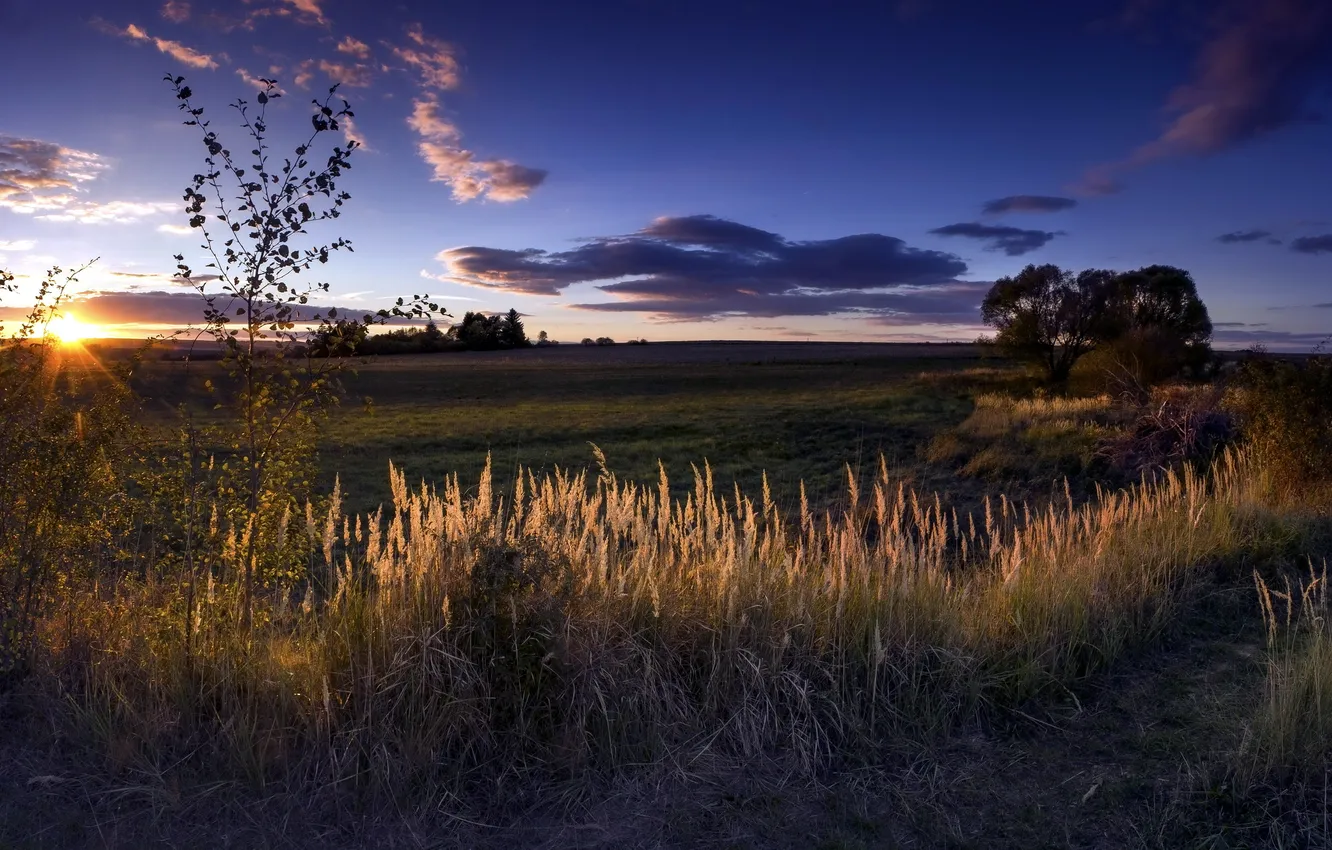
x=67 y=328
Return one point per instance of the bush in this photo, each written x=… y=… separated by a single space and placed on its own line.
x=64 y=443
x=1175 y=425
x=1285 y=410
x=1140 y=359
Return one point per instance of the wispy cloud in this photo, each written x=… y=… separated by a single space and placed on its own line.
x=352 y=133
x=111 y=212
x=176 y=11
x=17 y=245
x=155 y=308
x=1274 y=340
x=1254 y=76
x=253 y=80
x=432 y=58
x=174 y=49
x=353 y=46
x=1028 y=203
x=468 y=177
x=358 y=76
x=309 y=9
x=1013 y=241
x=174 y=229
x=44 y=180
x=35 y=174
x=1240 y=236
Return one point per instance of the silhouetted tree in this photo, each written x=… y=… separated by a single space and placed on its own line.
x=511 y=332
x=1048 y=315
x=432 y=337
x=1160 y=297
x=254 y=216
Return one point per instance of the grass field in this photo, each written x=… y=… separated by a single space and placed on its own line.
x=797 y=411
x=984 y=636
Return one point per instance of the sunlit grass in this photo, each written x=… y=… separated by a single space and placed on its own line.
x=573 y=624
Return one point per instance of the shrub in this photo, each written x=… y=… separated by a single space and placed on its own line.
x=63 y=449
x=1285 y=410
x=1140 y=359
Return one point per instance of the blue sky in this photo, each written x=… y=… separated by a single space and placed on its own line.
x=728 y=169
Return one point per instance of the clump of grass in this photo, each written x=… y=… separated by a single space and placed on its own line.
x=1293 y=732
x=462 y=644
x=1040 y=439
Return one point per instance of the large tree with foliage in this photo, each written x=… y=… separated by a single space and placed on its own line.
x=1163 y=298
x=1048 y=315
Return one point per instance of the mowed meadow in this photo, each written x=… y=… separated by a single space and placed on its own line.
x=799 y=412
x=766 y=594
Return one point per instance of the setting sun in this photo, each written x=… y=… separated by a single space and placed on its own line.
x=69 y=329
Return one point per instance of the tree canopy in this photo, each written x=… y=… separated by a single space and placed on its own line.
x=1051 y=316
x=1048 y=315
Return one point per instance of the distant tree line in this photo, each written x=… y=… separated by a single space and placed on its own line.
x=476 y=332
x=1148 y=324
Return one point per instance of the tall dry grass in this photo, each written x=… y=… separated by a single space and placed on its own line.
x=1293 y=731
x=465 y=642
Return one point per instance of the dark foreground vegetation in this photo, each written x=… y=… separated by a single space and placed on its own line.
x=203 y=643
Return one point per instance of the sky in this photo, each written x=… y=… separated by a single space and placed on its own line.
x=730 y=169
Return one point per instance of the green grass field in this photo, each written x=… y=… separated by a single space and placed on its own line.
x=797 y=411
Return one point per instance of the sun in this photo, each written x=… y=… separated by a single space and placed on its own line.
x=66 y=328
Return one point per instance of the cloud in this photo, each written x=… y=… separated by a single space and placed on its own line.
x=1313 y=244
x=508 y=181
x=176 y=11
x=1013 y=241
x=354 y=47
x=469 y=178
x=1028 y=203
x=701 y=267
x=44 y=179
x=174 y=49
x=303 y=73
x=139 y=279
x=1238 y=236
x=39 y=176
x=111 y=212
x=178 y=309
x=352 y=133
x=308 y=12
x=1254 y=76
x=257 y=81
x=1098 y=183
x=1274 y=340
x=426 y=120
x=308 y=9
x=358 y=76
x=432 y=59
x=174 y=229
x=1251 y=79
x=43 y=174
x=17 y=245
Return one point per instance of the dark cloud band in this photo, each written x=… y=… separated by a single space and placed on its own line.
x=1028 y=204
x=699 y=267
x=1013 y=241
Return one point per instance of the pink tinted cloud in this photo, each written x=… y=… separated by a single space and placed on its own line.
x=174 y=49
x=1253 y=77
